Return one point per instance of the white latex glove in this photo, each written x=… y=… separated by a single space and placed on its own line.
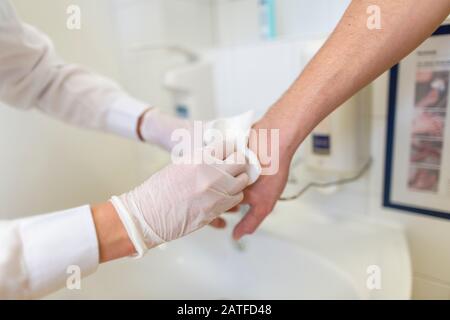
x=179 y=200
x=156 y=128
x=236 y=131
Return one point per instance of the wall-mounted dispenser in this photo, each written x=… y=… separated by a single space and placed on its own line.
x=340 y=144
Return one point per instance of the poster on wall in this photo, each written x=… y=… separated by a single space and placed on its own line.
x=417 y=171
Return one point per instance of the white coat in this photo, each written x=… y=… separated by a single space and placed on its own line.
x=36 y=253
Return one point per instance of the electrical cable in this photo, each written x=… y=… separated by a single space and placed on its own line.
x=310 y=185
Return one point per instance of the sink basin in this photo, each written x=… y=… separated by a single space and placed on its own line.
x=208 y=265
x=293 y=256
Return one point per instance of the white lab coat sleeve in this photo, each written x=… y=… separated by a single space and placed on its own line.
x=41 y=254
x=32 y=75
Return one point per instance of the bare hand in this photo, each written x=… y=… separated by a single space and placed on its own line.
x=264 y=194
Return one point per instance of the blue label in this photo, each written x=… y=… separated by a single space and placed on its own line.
x=182 y=111
x=321 y=144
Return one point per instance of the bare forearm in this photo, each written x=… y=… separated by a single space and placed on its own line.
x=113 y=240
x=352 y=57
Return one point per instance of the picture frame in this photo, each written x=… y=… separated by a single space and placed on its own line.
x=417 y=160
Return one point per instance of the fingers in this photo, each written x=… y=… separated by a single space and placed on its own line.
x=234 y=165
x=249 y=223
x=237 y=199
x=230 y=186
x=240 y=183
x=218 y=223
x=235 y=209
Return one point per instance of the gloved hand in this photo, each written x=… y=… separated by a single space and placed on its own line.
x=179 y=200
x=156 y=128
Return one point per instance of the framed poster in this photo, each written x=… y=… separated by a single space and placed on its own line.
x=417 y=168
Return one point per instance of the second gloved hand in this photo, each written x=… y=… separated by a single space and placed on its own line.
x=157 y=127
x=178 y=200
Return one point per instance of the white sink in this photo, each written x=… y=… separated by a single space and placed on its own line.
x=207 y=265
x=311 y=258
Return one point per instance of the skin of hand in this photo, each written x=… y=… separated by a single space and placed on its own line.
x=263 y=195
x=260 y=198
x=113 y=240
x=352 y=57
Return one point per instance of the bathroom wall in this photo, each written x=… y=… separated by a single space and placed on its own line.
x=237 y=21
x=147 y=30
x=308 y=18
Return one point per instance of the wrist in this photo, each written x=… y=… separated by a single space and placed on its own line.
x=113 y=240
x=157 y=127
x=140 y=121
x=295 y=118
x=288 y=137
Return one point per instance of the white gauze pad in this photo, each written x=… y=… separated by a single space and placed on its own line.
x=236 y=128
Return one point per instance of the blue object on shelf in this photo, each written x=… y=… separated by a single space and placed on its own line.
x=268 y=19
x=322 y=144
x=182 y=111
